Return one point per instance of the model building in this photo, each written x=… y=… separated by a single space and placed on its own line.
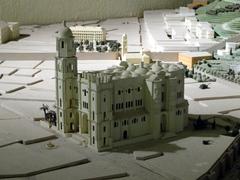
x=121 y=105
x=8 y=31
x=90 y=33
x=130 y=90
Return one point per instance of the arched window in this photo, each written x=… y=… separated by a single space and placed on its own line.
x=60 y=102
x=93 y=140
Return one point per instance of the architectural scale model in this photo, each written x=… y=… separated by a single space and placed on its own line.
x=145 y=93
x=8 y=31
x=120 y=105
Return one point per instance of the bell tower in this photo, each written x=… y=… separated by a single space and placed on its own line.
x=66 y=81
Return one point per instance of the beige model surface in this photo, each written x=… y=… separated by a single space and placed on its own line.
x=121 y=105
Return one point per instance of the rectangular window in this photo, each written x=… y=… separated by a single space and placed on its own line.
x=104 y=115
x=104 y=141
x=93 y=140
x=62 y=44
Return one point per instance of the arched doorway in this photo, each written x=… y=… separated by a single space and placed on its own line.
x=125 y=135
x=163 y=124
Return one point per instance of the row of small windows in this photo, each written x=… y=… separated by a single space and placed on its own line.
x=179 y=112
x=87 y=32
x=85 y=105
x=139 y=102
x=126 y=122
x=128 y=104
x=179 y=95
x=138 y=89
x=90 y=36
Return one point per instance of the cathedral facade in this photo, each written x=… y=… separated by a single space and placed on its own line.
x=120 y=105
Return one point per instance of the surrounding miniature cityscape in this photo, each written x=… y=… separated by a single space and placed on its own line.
x=155 y=97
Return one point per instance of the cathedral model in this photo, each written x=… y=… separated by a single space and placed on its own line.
x=118 y=106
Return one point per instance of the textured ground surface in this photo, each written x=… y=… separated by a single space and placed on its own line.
x=19 y=108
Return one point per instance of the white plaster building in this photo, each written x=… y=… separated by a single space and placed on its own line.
x=121 y=105
x=230 y=46
x=91 y=33
x=4 y=32
x=8 y=31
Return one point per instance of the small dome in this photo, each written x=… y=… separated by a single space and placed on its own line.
x=65 y=31
x=131 y=67
x=135 y=74
x=124 y=64
x=126 y=74
x=141 y=70
x=149 y=73
x=173 y=68
x=165 y=65
x=157 y=66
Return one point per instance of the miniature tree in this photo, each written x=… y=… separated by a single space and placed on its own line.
x=86 y=42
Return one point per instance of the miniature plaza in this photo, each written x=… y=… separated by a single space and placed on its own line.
x=155 y=97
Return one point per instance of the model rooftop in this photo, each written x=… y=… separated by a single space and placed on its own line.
x=146 y=71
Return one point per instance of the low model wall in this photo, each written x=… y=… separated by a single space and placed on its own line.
x=52 y=11
x=224 y=163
